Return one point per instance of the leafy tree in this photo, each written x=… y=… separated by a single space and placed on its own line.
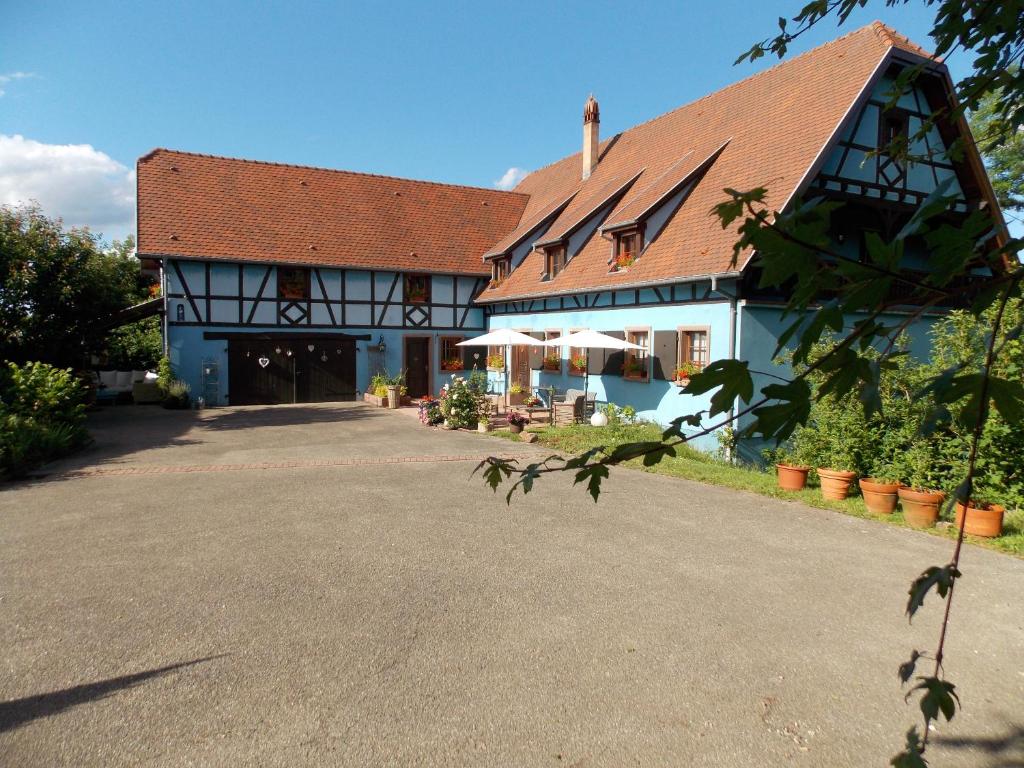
x=973 y=262
x=135 y=346
x=57 y=288
x=1004 y=153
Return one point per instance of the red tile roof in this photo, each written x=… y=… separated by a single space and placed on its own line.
x=199 y=206
x=776 y=123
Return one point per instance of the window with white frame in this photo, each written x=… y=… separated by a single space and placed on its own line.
x=637 y=362
x=552 y=355
x=694 y=351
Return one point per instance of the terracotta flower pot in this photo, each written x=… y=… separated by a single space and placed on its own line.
x=920 y=508
x=880 y=497
x=982 y=520
x=835 y=483
x=792 y=478
x=515 y=428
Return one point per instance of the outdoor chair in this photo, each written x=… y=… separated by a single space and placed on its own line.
x=570 y=409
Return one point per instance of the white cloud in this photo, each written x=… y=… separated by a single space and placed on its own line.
x=11 y=77
x=74 y=182
x=512 y=177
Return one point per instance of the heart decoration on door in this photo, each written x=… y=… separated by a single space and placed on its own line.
x=310 y=347
x=264 y=362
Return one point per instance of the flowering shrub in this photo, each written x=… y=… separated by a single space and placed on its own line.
x=461 y=404
x=430 y=412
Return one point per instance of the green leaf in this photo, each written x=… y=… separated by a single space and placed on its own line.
x=594 y=474
x=937 y=202
x=652 y=452
x=497 y=470
x=733 y=378
x=1008 y=397
x=780 y=419
x=941 y=578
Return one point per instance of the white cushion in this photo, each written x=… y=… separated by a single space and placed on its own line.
x=138 y=376
x=124 y=380
x=108 y=378
x=151 y=376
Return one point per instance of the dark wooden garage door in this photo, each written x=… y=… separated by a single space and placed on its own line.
x=262 y=372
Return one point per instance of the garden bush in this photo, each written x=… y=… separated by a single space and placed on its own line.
x=462 y=403
x=42 y=415
x=915 y=440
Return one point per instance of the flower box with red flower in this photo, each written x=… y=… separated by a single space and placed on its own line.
x=553 y=362
x=685 y=371
x=578 y=365
x=452 y=364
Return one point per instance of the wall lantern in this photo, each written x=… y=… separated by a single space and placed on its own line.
x=181 y=313
x=381 y=346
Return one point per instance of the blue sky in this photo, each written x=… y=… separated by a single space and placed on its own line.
x=458 y=93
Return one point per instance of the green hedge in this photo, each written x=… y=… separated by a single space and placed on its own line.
x=914 y=441
x=42 y=416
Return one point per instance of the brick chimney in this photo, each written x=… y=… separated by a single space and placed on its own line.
x=591 y=139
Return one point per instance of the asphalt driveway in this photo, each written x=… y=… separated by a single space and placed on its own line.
x=323 y=585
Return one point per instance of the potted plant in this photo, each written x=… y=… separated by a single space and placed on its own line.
x=483 y=424
x=880 y=491
x=833 y=441
x=552 y=361
x=919 y=501
x=684 y=371
x=452 y=364
x=395 y=389
x=982 y=518
x=791 y=477
x=623 y=262
x=578 y=364
x=515 y=393
x=634 y=369
x=532 y=401
x=516 y=422
x=496 y=362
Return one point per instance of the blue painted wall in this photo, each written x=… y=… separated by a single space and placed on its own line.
x=658 y=401
x=761 y=327
x=366 y=311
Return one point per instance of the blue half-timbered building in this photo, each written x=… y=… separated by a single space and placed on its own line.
x=287 y=284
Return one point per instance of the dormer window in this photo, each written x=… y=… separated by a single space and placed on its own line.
x=417 y=289
x=500 y=269
x=554 y=261
x=626 y=250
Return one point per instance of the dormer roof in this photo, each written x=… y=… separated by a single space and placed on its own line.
x=767 y=130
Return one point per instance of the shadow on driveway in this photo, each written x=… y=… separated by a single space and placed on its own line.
x=18 y=712
x=255 y=416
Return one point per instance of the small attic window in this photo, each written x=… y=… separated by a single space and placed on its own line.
x=625 y=249
x=500 y=269
x=417 y=289
x=893 y=127
x=554 y=261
